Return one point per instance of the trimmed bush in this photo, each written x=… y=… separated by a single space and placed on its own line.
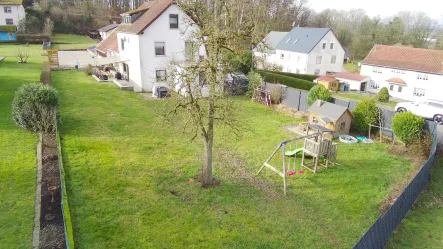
x=383 y=95
x=365 y=113
x=45 y=75
x=407 y=127
x=286 y=80
x=318 y=92
x=8 y=28
x=255 y=81
x=32 y=38
x=308 y=77
x=34 y=107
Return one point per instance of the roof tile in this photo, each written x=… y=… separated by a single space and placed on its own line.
x=415 y=59
x=350 y=76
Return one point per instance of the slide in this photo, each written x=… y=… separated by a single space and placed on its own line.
x=294 y=152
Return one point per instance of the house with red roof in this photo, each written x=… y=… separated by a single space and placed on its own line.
x=408 y=73
x=148 y=39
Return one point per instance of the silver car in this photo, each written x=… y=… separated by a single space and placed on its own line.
x=429 y=109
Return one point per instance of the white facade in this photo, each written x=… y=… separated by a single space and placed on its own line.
x=104 y=34
x=16 y=14
x=354 y=85
x=140 y=49
x=418 y=85
x=323 y=58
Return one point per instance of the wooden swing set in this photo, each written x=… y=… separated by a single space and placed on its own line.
x=314 y=145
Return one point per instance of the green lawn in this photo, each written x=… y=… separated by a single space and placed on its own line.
x=360 y=97
x=423 y=225
x=352 y=67
x=70 y=41
x=128 y=179
x=17 y=153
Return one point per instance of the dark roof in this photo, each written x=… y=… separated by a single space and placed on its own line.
x=108 y=27
x=414 y=59
x=327 y=109
x=350 y=76
x=302 y=40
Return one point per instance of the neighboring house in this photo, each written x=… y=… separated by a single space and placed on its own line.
x=328 y=82
x=305 y=51
x=265 y=53
x=408 y=73
x=331 y=116
x=352 y=81
x=106 y=30
x=11 y=13
x=149 y=38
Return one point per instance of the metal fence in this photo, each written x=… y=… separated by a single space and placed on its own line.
x=298 y=99
x=381 y=230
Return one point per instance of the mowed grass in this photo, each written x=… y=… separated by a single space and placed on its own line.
x=360 y=97
x=352 y=66
x=17 y=153
x=128 y=179
x=71 y=41
x=423 y=226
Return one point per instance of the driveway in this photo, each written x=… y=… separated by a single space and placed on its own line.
x=68 y=59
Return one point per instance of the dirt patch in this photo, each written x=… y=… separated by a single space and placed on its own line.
x=284 y=109
x=235 y=168
x=52 y=234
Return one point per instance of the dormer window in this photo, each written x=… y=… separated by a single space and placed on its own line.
x=173 y=21
x=127 y=19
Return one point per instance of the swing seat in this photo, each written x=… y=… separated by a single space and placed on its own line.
x=291 y=173
x=301 y=172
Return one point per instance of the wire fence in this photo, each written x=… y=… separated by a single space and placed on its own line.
x=381 y=230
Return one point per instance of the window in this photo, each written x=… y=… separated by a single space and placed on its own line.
x=122 y=42
x=9 y=21
x=433 y=104
x=127 y=19
x=377 y=70
x=374 y=84
x=419 y=92
x=422 y=76
x=282 y=56
x=9 y=33
x=342 y=126
x=391 y=87
x=331 y=46
x=333 y=59
x=324 y=45
x=399 y=89
x=318 y=60
x=159 y=48
x=160 y=75
x=317 y=71
x=173 y=21
x=288 y=40
x=125 y=67
x=7 y=9
x=296 y=40
x=397 y=71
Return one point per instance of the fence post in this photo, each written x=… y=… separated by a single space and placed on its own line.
x=299 y=99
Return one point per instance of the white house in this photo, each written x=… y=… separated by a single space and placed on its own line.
x=106 y=30
x=352 y=81
x=408 y=73
x=304 y=51
x=11 y=12
x=147 y=41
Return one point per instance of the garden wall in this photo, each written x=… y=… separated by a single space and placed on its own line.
x=381 y=230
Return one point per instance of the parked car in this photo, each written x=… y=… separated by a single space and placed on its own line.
x=429 y=109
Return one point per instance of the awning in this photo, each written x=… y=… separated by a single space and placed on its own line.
x=110 y=60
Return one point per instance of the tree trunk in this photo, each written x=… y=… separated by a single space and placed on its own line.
x=206 y=174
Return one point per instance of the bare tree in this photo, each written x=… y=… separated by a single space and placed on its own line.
x=22 y=56
x=201 y=100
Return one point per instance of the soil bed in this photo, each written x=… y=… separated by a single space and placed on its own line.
x=51 y=220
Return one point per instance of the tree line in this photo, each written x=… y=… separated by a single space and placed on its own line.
x=354 y=28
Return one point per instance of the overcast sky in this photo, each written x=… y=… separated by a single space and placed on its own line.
x=434 y=8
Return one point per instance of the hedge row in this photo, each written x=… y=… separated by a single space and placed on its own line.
x=32 y=38
x=45 y=75
x=8 y=28
x=286 y=80
x=308 y=77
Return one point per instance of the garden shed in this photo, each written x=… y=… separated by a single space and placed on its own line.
x=328 y=82
x=331 y=116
